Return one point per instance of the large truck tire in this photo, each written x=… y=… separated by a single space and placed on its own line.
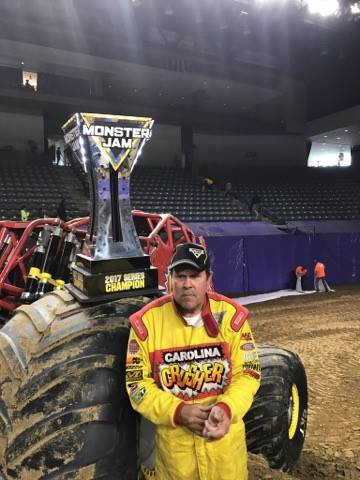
x=64 y=411
x=276 y=423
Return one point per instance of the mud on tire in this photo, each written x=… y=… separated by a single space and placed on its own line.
x=276 y=423
x=64 y=412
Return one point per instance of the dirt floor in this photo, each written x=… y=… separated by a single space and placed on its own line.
x=324 y=330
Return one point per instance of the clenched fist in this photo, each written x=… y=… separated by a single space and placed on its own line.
x=193 y=416
x=217 y=425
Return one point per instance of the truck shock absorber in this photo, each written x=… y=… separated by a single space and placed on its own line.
x=32 y=280
x=62 y=271
x=46 y=283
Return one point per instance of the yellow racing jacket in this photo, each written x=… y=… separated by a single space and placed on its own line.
x=169 y=362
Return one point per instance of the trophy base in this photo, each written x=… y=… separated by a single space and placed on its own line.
x=84 y=299
x=96 y=281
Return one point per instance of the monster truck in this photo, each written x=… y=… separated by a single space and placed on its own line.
x=64 y=411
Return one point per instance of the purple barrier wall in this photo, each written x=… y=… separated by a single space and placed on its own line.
x=266 y=263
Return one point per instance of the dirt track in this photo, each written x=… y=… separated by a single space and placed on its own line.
x=324 y=329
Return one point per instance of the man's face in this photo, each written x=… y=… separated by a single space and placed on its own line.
x=189 y=289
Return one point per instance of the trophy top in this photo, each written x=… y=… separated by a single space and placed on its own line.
x=116 y=138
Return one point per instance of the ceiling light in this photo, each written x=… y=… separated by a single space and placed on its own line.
x=323 y=7
x=355 y=9
x=325 y=136
x=346 y=131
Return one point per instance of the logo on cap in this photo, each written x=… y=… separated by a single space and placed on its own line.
x=196 y=252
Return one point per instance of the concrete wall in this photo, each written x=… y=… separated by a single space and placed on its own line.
x=164 y=147
x=17 y=128
x=250 y=150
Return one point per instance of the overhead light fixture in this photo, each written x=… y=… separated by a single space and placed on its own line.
x=355 y=8
x=324 y=8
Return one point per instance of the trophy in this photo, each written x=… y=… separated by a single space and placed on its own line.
x=114 y=265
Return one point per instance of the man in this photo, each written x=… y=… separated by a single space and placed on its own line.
x=228 y=189
x=320 y=277
x=24 y=214
x=193 y=370
x=58 y=155
x=61 y=210
x=255 y=205
x=300 y=272
x=208 y=183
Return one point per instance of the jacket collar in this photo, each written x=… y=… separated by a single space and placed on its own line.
x=210 y=324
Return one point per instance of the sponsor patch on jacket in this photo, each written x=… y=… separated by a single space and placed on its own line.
x=137 y=394
x=246 y=336
x=253 y=365
x=250 y=356
x=247 y=346
x=133 y=360
x=193 y=372
x=133 y=387
x=134 y=375
x=133 y=347
x=219 y=316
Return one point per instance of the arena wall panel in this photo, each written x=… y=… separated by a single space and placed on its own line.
x=16 y=129
x=250 y=150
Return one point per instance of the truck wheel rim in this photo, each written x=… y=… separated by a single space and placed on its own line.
x=294 y=408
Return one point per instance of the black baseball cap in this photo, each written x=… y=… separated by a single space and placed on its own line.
x=190 y=254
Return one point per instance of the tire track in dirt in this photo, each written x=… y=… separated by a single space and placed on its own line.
x=324 y=329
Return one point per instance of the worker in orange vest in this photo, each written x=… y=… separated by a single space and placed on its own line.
x=320 y=277
x=300 y=272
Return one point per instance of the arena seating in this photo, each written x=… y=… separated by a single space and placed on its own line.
x=300 y=194
x=285 y=195
x=170 y=190
x=39 y=186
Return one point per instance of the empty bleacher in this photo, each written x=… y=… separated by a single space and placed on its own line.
x=286 y=195
x=303 y=194
x=39 y=187
x=170 y=190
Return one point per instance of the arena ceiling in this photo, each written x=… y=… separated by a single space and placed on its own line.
x=232 y=53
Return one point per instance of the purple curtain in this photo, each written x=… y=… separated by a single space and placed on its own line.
x=266 y=263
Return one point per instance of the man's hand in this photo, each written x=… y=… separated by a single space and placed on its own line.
x=217 y=425
x=193 y=416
